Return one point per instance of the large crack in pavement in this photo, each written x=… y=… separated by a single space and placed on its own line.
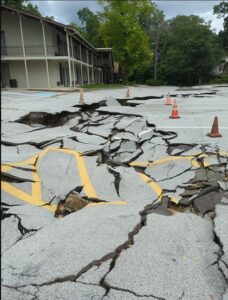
x=203 y=184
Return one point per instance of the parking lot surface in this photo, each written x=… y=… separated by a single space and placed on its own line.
x=110 y=198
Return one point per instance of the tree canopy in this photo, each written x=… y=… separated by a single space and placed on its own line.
x=90 y=26
x=221 y=10
x=121 y=30
x=30 y=8
x=191 y=53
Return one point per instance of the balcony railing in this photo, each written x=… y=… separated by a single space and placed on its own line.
x=60 y=50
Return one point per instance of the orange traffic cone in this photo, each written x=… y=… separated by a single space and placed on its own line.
x=81 y=101
x=175 y=114
x=168 y=101
x=128 y=93
x=214 y=130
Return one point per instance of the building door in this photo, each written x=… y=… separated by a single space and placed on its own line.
x=5 y=75
x=64 y=74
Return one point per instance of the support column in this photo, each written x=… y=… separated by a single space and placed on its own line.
x=45 y=53
x=82 y=81
x=88 y=66
x=69 y=63
x=93 y=68
x=23 y=48
x=101 y=76
x=72 y=51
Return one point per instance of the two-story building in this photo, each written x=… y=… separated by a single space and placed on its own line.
x=39 y=53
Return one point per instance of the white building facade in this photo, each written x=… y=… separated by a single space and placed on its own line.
x=42 y=54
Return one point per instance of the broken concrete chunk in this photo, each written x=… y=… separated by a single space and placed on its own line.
x=126 y=157
x=104 y=182
x=72 y=122
x=136 y=127
x=19 y=174
x=152 y=152
x=177 y=181
x=111 y=101
x=80 y=147
x=211 y=160
x=127 y=146
x=102 y=130
x=176 y=196
x=39 y=137
x=124 y=122
x=145 y=135
x=115 y=145
x=206 y=203
x=223 y=185
x=167 y=170
x=124 y=136
x=89 y=139
x=157 y=140
x=59 y=175
x=17 y=153
x=194 y=151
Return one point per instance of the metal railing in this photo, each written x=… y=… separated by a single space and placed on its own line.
x=57 y=50
x=60 y=50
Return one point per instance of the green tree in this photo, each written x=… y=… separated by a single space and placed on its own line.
x=76 y=28
x=158 y=35
x=21 y=5
x=192 y=51
x=221 y=10
x=18 y=4
x=122 y=30
x=32 y=9
x=51 y=18
x=91 y=26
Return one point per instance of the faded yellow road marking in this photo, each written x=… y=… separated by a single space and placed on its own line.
x=81 y=165
x=157 y=189
x=107 y=203
x=36 y=197
x=24 y=196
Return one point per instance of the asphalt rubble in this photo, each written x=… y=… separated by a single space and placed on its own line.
x=113 y=136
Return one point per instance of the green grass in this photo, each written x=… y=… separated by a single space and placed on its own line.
x=222 y=78
x=103 y=86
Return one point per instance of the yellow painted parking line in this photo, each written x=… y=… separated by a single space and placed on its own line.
x=174 y=200
x=157 y=189
x=88 y=187
x=225 y=154
x=107 y=203
x=23 y=195
x=36 y=197
x=139 y=164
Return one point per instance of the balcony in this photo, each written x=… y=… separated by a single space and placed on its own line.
x=17 y=51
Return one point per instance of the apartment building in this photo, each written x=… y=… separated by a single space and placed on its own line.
x=39 y=53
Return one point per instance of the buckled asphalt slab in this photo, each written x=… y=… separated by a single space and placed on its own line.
x=155 y=225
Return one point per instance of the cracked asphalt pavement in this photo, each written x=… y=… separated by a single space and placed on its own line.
x=112 y=199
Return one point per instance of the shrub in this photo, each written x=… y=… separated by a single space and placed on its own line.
x=153 y=82
x=223 y=78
